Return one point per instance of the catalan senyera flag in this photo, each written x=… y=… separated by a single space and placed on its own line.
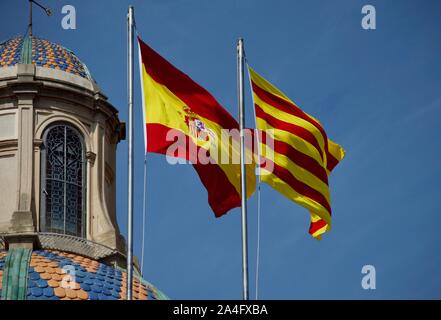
x=301 y=154
x=176 y=106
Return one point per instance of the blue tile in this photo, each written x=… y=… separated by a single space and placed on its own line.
x=108 y=287
x=93 y=295
x=107 y=292
x=102 y=296
x=36 y=292
x=117 y=282
x=81 y=274
x=63 y=262
x=114 y=287
x=99 y=277
x=96 y=289
x=34 y=275
x=91 y=275
x=85 y=287
x=41 y=283
x=48 y=292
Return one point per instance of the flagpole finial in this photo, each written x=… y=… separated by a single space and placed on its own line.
x=240 y=49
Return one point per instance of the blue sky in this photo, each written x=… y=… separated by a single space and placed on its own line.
x=377 y=93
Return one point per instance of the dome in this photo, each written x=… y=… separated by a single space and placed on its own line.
x=42 y=53
x=58 y=275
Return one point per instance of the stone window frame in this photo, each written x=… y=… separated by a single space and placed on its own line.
x=43 y=173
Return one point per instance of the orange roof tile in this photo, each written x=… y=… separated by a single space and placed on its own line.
x=60 y=292
x=53 y=284
x=71 y=293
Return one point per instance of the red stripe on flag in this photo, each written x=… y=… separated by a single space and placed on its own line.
x=314 y=226
x=289 y=127
x=300 y=187
x=292 y=109
x=299 y=158
x=199 y=100
x=286 y=106
x=222 y=196
x=332 y=161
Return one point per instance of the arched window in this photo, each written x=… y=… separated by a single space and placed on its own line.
x=63 y=191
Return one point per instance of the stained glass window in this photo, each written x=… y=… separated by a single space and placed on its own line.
x=63 y=181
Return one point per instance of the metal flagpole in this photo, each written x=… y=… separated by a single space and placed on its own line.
x=243 y=187
x=256 y=133
x=144 y=196
x=130 y=19
x=144 y=199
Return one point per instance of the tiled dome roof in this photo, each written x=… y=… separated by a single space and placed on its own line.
x=2 y=266
x=42 y=53
x=56 y=275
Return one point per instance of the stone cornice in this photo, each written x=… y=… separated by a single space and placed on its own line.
x=10 y=143
x=48 y=84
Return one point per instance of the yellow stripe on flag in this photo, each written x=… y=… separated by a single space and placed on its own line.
x=302 y=132
x=167 y=109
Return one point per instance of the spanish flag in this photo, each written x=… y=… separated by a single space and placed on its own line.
x=300 y=155
x=182 y=120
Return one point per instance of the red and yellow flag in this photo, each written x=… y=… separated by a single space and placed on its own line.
x=184 y=121
x=301 y=155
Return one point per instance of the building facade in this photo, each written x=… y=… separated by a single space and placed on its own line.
x=58 y=141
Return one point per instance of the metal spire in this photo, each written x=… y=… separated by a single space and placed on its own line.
x=46 y=9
